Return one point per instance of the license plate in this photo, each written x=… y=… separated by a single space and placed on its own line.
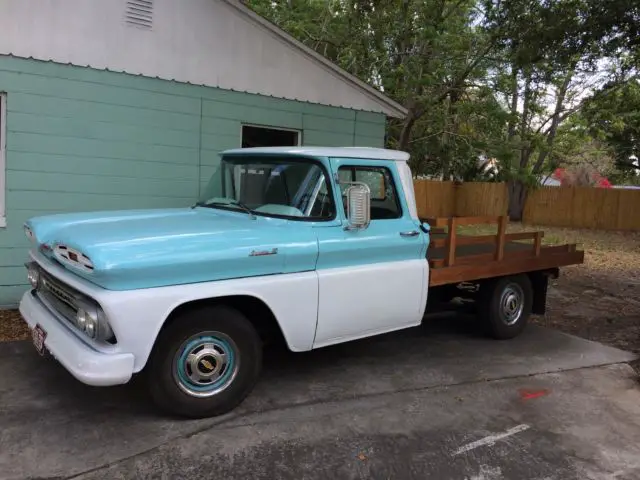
x=39 y=336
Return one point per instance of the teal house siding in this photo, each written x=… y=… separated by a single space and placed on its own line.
x=80 y=139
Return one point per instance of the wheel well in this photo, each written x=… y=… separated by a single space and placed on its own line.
x=256 y=311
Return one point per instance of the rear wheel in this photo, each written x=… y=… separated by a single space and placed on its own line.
x=504 y=305
x=205 y=362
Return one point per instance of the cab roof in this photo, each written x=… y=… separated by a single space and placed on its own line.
x=369 y=153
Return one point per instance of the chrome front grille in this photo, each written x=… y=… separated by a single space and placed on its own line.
x=61 y=297
x=70 y=305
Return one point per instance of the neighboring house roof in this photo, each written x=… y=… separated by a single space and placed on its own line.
x=217 y=43
x=339 y=152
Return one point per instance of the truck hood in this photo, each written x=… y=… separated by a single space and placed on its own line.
x=150 y=248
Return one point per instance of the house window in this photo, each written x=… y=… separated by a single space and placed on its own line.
x=3 y=144
x=385 y=203
x=256 y=136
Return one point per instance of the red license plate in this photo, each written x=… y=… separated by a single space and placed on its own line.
x=39 y=336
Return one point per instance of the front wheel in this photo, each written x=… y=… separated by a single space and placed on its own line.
x=205 y=362
x=504 y=305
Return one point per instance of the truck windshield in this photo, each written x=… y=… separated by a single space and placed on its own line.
x=270 y=186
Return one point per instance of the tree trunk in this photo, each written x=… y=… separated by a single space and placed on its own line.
x=444 y=142
x=517 y=197
x=555 y=121
x=511 y=131
x=405 y=134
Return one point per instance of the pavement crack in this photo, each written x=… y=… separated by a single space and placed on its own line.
x=209 y=426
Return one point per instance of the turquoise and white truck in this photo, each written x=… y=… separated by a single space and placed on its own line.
x=315 y=246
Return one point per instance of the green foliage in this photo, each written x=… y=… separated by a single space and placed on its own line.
x=494 y=79
x=612 y=116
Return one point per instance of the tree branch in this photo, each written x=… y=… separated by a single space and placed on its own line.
x=556 y=119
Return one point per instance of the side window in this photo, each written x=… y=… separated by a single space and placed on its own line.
x=384 y=197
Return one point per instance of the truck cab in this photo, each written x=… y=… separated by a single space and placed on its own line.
x=314 y=245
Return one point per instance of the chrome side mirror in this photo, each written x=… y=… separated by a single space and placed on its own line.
x=358 y=206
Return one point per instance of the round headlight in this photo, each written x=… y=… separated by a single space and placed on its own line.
x=81 y=319
x=33 y=276
x=90 y=328
x=92 y=320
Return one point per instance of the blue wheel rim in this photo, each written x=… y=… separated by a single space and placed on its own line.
x=206 y=364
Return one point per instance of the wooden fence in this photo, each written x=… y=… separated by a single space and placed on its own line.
x=572 y=207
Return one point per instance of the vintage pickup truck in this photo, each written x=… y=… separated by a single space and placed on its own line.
x=314 y=246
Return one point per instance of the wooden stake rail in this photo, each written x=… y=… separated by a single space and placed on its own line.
x=455 y=257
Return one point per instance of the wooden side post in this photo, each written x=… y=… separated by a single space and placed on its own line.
x=451 y=242
x=537 y=244
x=502 y=231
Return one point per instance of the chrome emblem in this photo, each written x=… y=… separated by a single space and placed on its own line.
x=207 y=364
x=262 y=253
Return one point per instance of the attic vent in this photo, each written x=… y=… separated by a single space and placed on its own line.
x=139 y=13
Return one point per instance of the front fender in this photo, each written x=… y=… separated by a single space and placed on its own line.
x=137 y=316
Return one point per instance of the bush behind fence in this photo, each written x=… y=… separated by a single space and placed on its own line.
x=571 y=207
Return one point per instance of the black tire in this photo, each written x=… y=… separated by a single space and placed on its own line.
x=499 y=320
x=231 y=334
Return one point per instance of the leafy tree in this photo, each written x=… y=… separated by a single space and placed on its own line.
x=552 y=56
x=613 y=117
x=493 y=79
x=430 y=55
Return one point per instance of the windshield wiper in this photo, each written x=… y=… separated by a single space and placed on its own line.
x=226 y=203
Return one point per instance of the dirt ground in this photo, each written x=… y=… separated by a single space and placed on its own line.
x=12 y=327
x=599 y=300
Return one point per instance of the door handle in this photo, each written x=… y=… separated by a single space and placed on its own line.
x=412 y=233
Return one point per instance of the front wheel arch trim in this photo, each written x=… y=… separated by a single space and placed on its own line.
x=257 y=311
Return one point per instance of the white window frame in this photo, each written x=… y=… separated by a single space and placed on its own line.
x=271 y=127
x=3 y=154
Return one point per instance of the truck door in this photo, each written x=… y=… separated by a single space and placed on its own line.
x=372 y=280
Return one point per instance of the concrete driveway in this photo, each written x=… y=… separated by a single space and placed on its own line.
x=436 y=402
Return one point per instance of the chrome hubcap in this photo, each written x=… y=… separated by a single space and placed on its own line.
x=206 y=364
x=511 y=304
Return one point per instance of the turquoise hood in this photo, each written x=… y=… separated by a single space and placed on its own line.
x=151 y=248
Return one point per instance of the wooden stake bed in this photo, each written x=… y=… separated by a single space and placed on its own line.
x=455 y=258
